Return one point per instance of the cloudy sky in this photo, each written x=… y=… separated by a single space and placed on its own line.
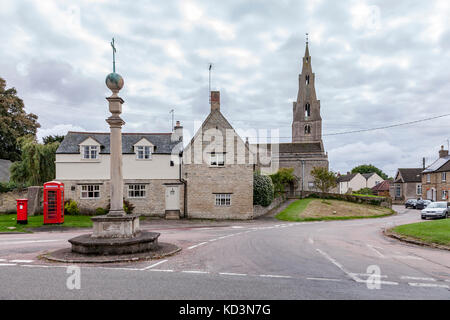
x=377 y=63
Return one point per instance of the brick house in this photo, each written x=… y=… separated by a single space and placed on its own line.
x=218 y=170
x=407 y=184
x=382 y=189
x=436 y=178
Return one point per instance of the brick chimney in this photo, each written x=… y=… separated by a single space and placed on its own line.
x=177 y=134
x=215 y=101
x=443 y=153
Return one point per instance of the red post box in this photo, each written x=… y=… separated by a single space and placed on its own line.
x=22 y=207
x=53 y=202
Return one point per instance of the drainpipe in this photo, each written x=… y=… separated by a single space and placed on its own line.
x=303 y=176
x=184 y=182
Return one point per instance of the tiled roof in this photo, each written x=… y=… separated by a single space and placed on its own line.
x=383 y=186
x=162 y=142
x=441 y=164
x=410 y=174
x=347 y=177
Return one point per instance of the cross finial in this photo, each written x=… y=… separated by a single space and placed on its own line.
x=114 y=55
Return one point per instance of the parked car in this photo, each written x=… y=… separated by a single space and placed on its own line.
x=422 y=204
x=410 y=203
x=436 y=210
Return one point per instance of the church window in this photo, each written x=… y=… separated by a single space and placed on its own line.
x=307 y=129
x=307 y=110
x=307 y=80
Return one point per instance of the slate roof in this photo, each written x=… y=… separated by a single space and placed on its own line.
x=162 y=142
x=305 y=147
x=440 y=165
x=410 y=175
x=368 y=175
x=347 y=177
x=4 y=170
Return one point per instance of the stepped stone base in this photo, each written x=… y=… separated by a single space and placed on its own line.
x=110 y=226
x=142 y=242
x=172 y=215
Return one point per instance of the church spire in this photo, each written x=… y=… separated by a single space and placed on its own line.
x=307 y=46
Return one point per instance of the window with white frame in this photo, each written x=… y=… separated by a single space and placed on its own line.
x=444 y=176
x=217 y=160
x=90 y=152
x=419 y=189
x=398 y=190
x=143 y=152
x=137 y=191
x=428 y=178
x=223 y=200
x=90 y=191
x=444 y=194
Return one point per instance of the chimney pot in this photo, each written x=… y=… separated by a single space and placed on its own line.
x=215 y=100
x=443 y=153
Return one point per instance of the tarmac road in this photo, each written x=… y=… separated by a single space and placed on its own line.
x=260 y=259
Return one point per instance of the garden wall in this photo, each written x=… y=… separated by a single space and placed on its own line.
x=260 y=210
x=8 y=203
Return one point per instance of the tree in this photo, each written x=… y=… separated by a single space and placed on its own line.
x=368 y=168
x=14 y=122
x=51 y=139
x=262 y=190
x=37 y=164
x=283 y=177
x=324 y=179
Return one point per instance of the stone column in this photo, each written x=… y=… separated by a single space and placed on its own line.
x=116 y=179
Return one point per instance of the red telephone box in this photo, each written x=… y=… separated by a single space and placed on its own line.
x=53 y=202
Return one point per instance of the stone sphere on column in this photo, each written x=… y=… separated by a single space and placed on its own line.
x=114 y=82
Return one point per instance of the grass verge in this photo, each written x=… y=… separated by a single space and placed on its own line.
x=322 y=210
x=8 y=221
x=431 y=232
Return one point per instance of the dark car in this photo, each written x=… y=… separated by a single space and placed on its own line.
x=411 y=203
x=422 y=204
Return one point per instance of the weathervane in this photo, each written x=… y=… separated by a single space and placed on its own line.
x=307 y=38
x=114 y=55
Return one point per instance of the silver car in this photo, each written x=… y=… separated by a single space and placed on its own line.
x=436 y=210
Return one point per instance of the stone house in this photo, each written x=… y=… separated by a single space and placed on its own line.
x=218 y=170
x=306 y=150
x=407 y=184
x=150 y=170
x=436 y=178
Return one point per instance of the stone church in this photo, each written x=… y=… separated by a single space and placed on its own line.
x=306 y=150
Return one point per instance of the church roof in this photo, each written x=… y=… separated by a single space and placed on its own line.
x=298 y=147
x=162 y=141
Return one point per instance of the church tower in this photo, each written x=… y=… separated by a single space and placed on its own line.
x=307 y=122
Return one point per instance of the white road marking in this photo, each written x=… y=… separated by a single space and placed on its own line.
x=212 y=240
x=428 y=285
x=154 y=265
x=2 y=260
x=417 y=278
x=392 y=283
x=22 y=261
x=274 y=276
x=7 y=264
x=195 y=271
x=34 y=266
x=162 y=270
x=197 y=245
x=324 y=279
x=233 y=274
x=408 y=257
x=337 y=264
x=376 y=251
x=370 y=275
x=237 y=227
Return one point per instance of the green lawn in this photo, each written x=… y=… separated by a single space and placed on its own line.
x=437 y=231
x=318 y=210
x=9 y=220
x=365 y=195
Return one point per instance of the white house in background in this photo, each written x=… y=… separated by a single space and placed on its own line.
x=151 y=170
x=357 y=181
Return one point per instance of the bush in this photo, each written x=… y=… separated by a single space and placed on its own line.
x=367 y=191
x=101 y=211
x=71 y=207
x=128 y=207
x=263 y=190
x=10 y=186
x=281 y=179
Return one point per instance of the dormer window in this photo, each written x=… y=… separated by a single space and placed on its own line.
x=143 y=152
x=217 y=160
x=90 y=152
